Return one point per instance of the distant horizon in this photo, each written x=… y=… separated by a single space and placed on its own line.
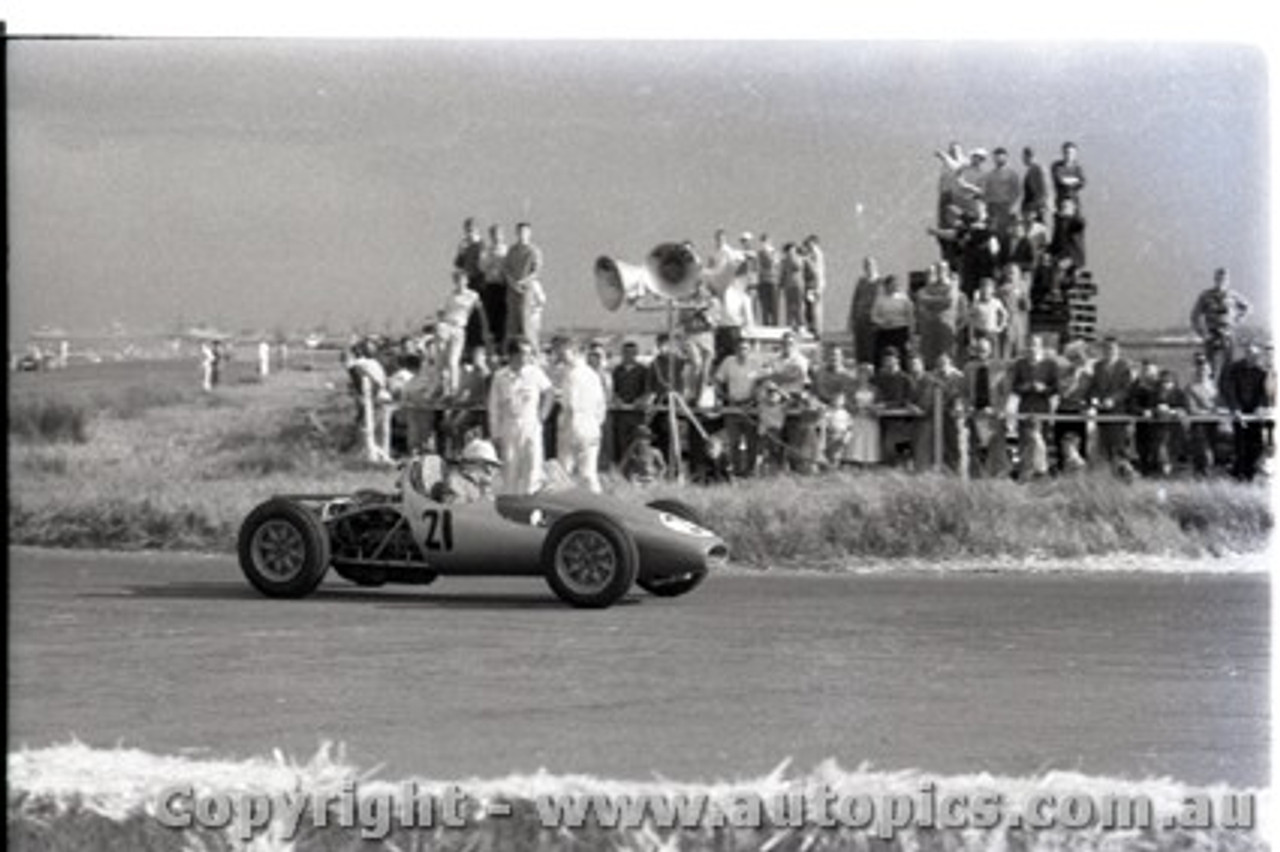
x=259 y=183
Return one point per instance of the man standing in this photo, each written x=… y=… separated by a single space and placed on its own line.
x=726 y=282
x=1214 y=318
x=525 y=296
x=666 y=377
x=832 y=379
x=1035 y=191
x=941 y=311
x=519 y=400
x=583 y=407
x=208 y=358
x=1247 y=389
x=789 y=370
x=972 y=180
x=894 y=392
x=1001 y=189
x=749 y=267
x=1035 y=381
x=791 y=277
x=984 y=397
x=494 y=295
x=861 y=328
x=632 y=392
x=815 y=283
x=737 y=378
x=1068 y=175
x=894 y=318
x=1109 y=394
x=767 y=295
x=467 y=260
x=949 y=181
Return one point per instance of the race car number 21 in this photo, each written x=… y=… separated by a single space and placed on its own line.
x=439 y=530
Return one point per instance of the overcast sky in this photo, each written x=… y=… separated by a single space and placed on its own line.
x=288 y=182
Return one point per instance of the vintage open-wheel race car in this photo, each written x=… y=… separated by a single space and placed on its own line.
x=590 y=548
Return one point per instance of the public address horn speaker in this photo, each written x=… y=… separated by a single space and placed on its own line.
x=619 y=283
x=671 y=271
x=675 y=270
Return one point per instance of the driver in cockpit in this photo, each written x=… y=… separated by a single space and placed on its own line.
x=470 y=478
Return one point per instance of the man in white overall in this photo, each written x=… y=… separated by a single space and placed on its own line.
x=520 y=399
x=583 y=408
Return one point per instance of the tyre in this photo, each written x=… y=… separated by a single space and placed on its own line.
x=589 y=560
x=284 y=549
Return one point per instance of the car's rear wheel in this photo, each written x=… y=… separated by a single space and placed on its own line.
x=589 y=560
x=283 y=549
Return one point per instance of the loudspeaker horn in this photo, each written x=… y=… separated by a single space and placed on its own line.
x=675 y=270
x=619 y=283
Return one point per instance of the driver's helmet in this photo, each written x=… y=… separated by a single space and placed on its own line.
x=480 y=451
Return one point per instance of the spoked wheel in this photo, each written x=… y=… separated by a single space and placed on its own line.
x=589 y=560
x=284 y=549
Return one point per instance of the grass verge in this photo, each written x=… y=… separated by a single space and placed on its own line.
x=161 y=465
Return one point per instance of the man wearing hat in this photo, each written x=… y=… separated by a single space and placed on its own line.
x=470 y=478
x=642 y=462
x=972 y=180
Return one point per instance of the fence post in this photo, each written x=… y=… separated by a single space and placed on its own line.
x=937 y=428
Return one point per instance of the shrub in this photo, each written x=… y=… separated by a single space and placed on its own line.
x=49 y=420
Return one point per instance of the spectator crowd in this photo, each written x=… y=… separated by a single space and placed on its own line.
x=942 y=372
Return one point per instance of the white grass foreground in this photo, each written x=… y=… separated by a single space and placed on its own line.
x=74 y=796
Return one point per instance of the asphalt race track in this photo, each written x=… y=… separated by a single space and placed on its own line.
x=1126 y=675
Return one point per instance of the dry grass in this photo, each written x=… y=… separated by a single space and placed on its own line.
x=76 y=797
x=163 y=465
x=886 y=515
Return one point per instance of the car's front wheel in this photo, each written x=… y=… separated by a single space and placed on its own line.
x=283 y=549
x=589 y=560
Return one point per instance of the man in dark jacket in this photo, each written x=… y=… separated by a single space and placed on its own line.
x=1035 y=381
x=1248 y=388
